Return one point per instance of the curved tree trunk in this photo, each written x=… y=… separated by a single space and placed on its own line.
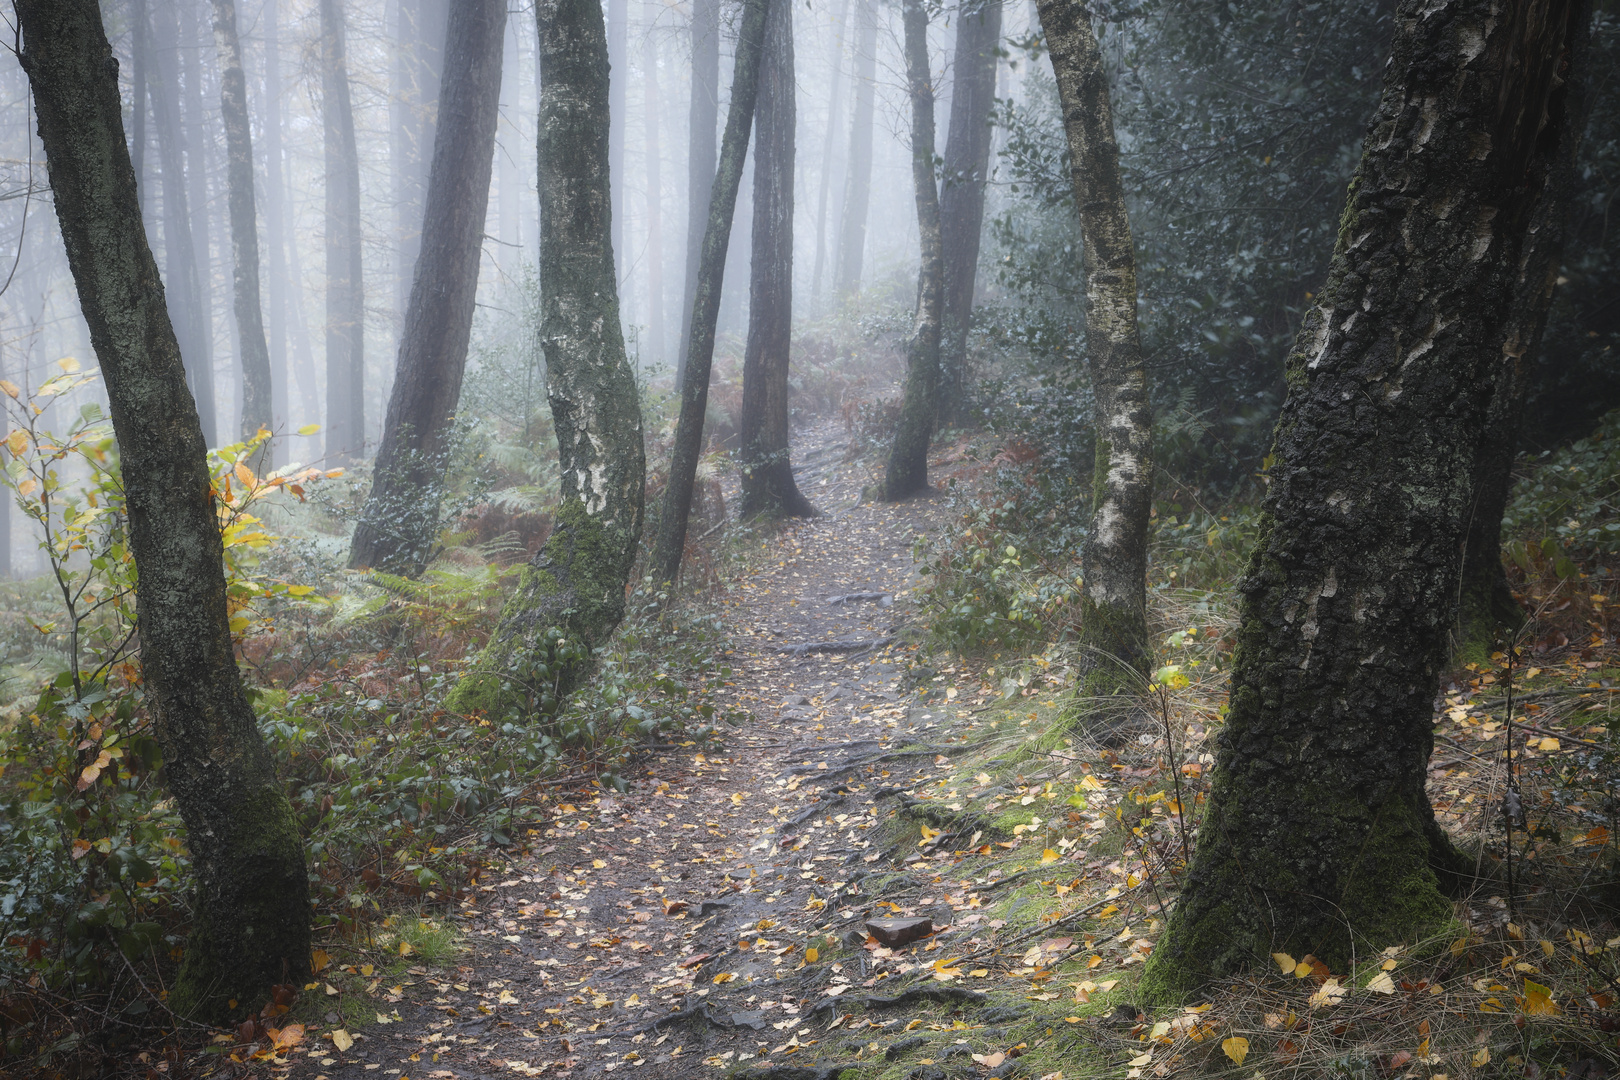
x=252 y=899
x=399 y=524
x=244 y=223
x=768 y=487
x=705 y=314
x=703 y=111
x=1113 y=603
x=345 y=292
x=961 y=200
x=571 y=594
x=907 y=474
x=858 y=174
x=1319 y=837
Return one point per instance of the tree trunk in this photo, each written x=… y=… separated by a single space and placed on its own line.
x=967 y=171
x=1319 y=837
x=655 y=216
x=139 y=49
x=276 y=263
x=705 y=315
x=414 y=78
x=198 y=142
x=399 y=524
x=907 y=473
x=835 y=75
x=618 y=42
x=702 y=114
x=1113 y=601
x=345 y=291
x=768 y=487
x=858 y=174
x=252 y=900
x=181 y=272
x=244 y=223
x=571 y=594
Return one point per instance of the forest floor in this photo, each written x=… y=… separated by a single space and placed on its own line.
x=721 y=918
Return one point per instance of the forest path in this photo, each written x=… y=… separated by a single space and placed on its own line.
x=696 y=892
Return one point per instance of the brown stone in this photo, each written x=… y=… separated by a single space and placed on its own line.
x=897 y=932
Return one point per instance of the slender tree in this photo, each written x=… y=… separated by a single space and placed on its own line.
x=244 y=223
x=140 y=45
x=274 y=233
x=571 y=594
x=768 y=487
x=858 y=170
x=835 y=75
x=413 y=94
x=345 y=291
x=705 y=315
x=199 y=141
x=967 y=171
x=399 y=523
x=1319 y=837
x=618 y=39
x=650 y=106
x=252 y=912
x=1113 y=602
x=703 y=112
x=907 y=473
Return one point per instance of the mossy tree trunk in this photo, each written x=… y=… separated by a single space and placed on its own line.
x=961 y=199
x=1113 y=601
x=1319 y=837
x=571 y=594
x=705 y=313
x=399 y=524
x=252 y=898
x=768 y=487
x=907 y=472
x=1486 y=609
x=345 y=289
x=702 y=113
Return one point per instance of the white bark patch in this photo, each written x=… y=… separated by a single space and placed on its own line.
x=1471 y=42
x=1324 y=334
x=1484 y=234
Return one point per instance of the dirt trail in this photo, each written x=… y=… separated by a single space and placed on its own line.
x=654 y=929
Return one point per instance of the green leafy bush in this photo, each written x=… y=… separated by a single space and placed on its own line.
x=1570 y=497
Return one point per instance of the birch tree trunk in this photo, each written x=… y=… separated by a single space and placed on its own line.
x=252 y=898
x=703 y=111
x=705 y=315
x=345 y=291
x=571 y=594
x=768 y=487
x=1319 y=837
x=256 y=411
x=907 y=473
x=1113 y=603
x=858 y=177
x=398 y=526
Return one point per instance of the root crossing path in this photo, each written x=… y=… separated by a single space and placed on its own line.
x=665 y=932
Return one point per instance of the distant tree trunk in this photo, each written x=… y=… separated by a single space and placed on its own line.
x=835 y=74
x=705 y=315
x=768 y=488
x=618 y=44
x=858 y=170
x=1319 y=837
x=182 y=275
x=244 y=223
x=509 y=176
x=967 y=171
x=650 y=103
x=140 y=46
x=399 y=523
x=571 y=594
x=251 y=908
x=414 y=77
x=199 y=140
x=703 y=111
x=345 y=292
x=1486 y=607
x=1113 y=602
x=275 y=233
x=907 y=473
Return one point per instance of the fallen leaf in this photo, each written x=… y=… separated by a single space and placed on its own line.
x=1330 y=993
x=1538 y=1000
x=1049 y=856
x=990 y=1061
x=811 y=955
x=1236 y=1048
x=1482 y=1057
x=342 y=1039
x=1284 y=961
x=1381 y=983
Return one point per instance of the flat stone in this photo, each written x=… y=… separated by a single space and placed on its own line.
x=897 y=932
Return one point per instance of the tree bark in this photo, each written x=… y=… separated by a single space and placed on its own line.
x=252 y=899
x=768 y=487
x=139 y=49
x=703 y=112
x=414 y=79
x=244 y=223
x=967 y=171
x=835 y=75
x=618 y=43
x=1319 y=837
x=650 y=102
x=907 y=472
x=1113 y=602
x=345 y=291
x=858 y=174
x=274 y=230
x=705 y=314
x=571 y=594
x=399 y=523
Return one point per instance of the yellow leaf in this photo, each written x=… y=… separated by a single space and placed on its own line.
x=1330 y=993
x=367 y=970
x=318 y=961
x=599 y=864
x=17 y=442
x=405 y=948
x=1459 y=946
x=1284 y=961
x=1049 y=856
x=69 y=365
x=724 y=977
x=11 y=388
x=342 y=1039
x=1142 y=1059
x=285 y=1038
x=1514 y=932
x=812 y=954
x=1303 y=970
x=1091 y=783
x=1237 y=1048
x=927 y=835
x=507 y=998
x=1482 y=1057
x=309 y=429
x=244 y=474
x=1381 y=983
x=736 y=798
x=1538 y=1000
